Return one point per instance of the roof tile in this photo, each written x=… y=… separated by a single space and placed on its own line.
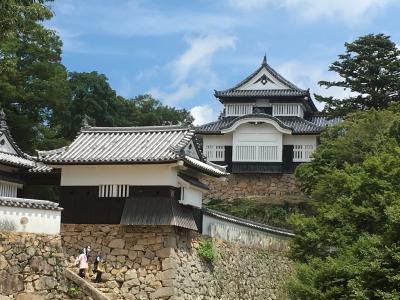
x=29 y=203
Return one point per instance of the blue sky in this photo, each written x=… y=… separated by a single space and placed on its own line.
x=180 y=51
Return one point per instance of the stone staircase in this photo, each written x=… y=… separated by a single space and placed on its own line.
x=104 y=289
x=96 y=291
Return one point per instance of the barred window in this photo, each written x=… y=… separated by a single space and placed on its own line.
x=114 y=191
x=214 y=152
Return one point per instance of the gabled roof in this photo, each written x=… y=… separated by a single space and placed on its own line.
x=13 y=155
x=283 y=85
x=130 y=145
x=122 y=145
x=15 y=160
x=298 y=125
x=266 y=83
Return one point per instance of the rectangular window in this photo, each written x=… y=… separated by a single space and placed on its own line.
x=256 y=153
x=302 y=153
x=8 y=189
x=114 y=191
x=214 y=152
x=287 y=109
x=237 y=110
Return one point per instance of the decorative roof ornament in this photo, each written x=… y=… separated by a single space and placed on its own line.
x=3 y=120
x=85 y=121
x=264 y=62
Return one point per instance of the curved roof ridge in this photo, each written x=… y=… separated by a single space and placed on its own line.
x=258 y=115
x=252 y=75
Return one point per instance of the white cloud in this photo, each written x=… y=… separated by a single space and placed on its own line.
x=203 y=114
x=199 y=56
x=183 y=92
x=193 y=70
x=353 y=11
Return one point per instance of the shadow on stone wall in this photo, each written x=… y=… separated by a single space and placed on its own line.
x=161 y=262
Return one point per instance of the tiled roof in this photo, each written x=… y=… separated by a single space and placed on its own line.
x=123 y=145
x=41 y=168
x=291 y=91
x=325 y=121
x=15 y=160
x=215 y=127
x=118 y=145
x=20 y=159
x=193 y=181
x=157 y=211
x=29 y=203
x=262 y=93
x=272 y=72
x=300 y=125
x=296 y=124
x=247 y=223
x=208 y=168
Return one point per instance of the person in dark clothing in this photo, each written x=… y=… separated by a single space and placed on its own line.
x=98 y=268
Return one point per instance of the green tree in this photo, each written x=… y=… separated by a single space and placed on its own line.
x=33 y=85
x=370 y=68
x=145 y=110
x=350 y=247
x=92 y=95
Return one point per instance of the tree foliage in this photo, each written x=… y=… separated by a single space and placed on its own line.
x=370 y=68
x=33 y=82
x=350 y=247
x=44 y=104
x=92 y=96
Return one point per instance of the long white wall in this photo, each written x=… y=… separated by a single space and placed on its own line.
x=88 y=175
x=218 y=140
x=300 y=140
x=30 y=220
x=238 y=234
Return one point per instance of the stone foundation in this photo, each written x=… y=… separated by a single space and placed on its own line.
x=268 y=188
x=161 y=262
x=31 y=266
x=134 y=257
x=238 y=272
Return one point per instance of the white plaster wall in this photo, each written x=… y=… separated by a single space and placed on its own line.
x=39 y=220
x=258 y=135
x=192 y=197
x=91 y=175
x=236 y=233
x=300 y=140
x=6 y=147
x=219 y=140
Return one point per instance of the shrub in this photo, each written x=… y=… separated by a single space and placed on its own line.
x=206 y=250
x=253 y=210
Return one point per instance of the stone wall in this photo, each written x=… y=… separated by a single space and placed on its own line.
x=161 y=262
x=135 y=257
x=268 y=188
x=31 y=266
x=238 y=272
